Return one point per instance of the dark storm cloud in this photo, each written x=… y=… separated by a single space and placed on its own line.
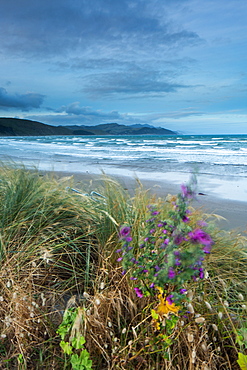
x=138 y=82
x=47 y=28
x=25 y=102
x=75 y=109
x=118 y=47
x=74 y=114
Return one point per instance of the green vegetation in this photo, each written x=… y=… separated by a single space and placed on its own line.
x=71 y=324
x=65 y=303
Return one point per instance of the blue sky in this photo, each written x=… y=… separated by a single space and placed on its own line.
x=177 y=64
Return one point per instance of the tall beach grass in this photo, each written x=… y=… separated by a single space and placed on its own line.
x=58 y=252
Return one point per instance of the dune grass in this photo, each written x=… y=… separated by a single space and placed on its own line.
x=58 y=255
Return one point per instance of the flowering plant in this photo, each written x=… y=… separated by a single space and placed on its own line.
x=171 y=252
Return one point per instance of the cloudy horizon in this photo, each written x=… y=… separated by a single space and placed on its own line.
x=176 y=64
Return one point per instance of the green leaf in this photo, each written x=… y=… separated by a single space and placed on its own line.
x=62 y=331
x=85 y=361
x=20 y=359
x=154 y=314
x=75 y=362
x=67 y=323
x=78 y=342
x=242 y=361
x=66 y=347
x=239 y=340
x=81 y=362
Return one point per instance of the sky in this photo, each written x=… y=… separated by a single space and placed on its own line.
x=176 y=64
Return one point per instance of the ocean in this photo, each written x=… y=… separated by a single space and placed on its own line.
x=168 y=158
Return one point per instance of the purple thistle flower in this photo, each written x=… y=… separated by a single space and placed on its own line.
x=152 y=231
x=187 y=192
x=200 y=236
x=150 y=220
x=128 y=239
x=151 y=285
x=119 y=259
x=185 y=219
x=155 y=213
x=124 y=231
x=171 y=273
x=164 y=231
x=118 y=250
x=183 y=291
x=207 y=249
x=138 y=292
x=146 y=239
x=133 y=278
x=160 y=225
x=201 y=275
x=169 y=298
x=157 y=268
x=178 y=239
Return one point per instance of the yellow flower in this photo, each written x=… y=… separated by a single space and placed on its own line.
x=164 y=307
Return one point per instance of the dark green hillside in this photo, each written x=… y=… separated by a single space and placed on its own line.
x=23 y=127
x=116 y=129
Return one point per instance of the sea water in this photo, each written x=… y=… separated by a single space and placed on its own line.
x=171 y=158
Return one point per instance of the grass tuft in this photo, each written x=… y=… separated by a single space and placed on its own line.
x=58 y=250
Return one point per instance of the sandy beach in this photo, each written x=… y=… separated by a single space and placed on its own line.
x=233 y=213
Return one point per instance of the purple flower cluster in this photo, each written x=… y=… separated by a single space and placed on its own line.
x=125 y=237
x=138 y=292
x=187 y=192
x=171 y=273
x=201 y=237
x=171 y=251
x=124 y=231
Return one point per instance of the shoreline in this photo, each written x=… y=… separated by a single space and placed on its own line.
x=234 y=212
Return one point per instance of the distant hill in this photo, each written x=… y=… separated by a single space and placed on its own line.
x=24 y=127
x=116 y=129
